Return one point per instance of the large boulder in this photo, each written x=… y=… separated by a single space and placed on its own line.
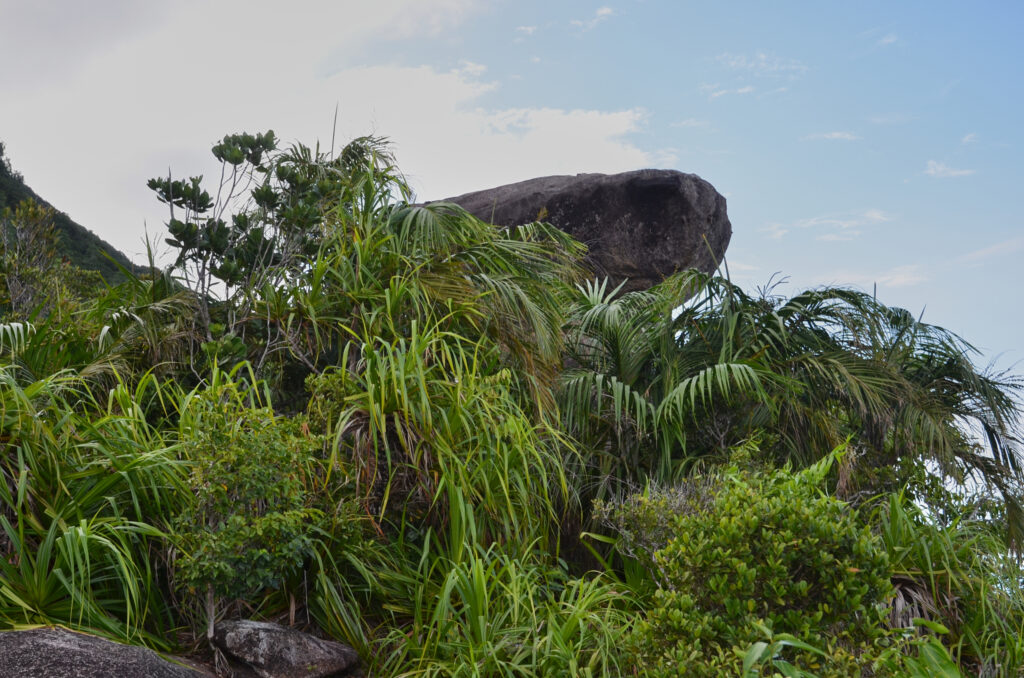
x=639 y=226
x=273 y=651
x=59 y=653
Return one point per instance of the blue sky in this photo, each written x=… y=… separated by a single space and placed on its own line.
x=868 y=143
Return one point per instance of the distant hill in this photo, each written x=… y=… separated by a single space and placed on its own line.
x=83 y=247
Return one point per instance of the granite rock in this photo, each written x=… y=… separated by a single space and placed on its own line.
x=60 y=653
x=639 y=226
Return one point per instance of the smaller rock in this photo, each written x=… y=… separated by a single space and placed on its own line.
x=275 y=651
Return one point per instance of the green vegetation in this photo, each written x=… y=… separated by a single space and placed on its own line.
x=756 y=554
x=443 y=444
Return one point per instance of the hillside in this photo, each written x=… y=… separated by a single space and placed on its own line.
x=83 y=247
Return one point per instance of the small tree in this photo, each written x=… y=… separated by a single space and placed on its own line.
x=249 y=526
x=244 y=248
x=28 y=239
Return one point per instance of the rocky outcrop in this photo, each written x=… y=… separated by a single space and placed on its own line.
x=640 y=226
x=273 y=651
x=56 y=652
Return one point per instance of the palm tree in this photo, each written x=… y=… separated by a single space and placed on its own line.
x=675 y=376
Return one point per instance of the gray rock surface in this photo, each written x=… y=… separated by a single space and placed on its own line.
x=275 y=651
x=59 y=653
x=641 y=226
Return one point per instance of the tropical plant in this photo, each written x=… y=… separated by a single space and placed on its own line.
x=444 y=334
x=489 y=614
x=28 y=252
x=250 y=524
x=960 y=577
x=672 y=377
x=388 y=420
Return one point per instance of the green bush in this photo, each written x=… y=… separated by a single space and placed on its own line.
x=250 y=525
x=80 y=499
x=767 y=554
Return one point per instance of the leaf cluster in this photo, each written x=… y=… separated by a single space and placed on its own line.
x=768 y=554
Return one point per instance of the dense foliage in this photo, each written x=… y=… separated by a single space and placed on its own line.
x=757 y=554
x=439 y=441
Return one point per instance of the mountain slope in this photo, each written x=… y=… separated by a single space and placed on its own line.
x=83 y=247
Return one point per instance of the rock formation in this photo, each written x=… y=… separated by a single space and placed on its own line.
x=48 y=652
x=640 y=226
x=272 y=651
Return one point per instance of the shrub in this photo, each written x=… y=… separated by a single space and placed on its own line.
x=249 y=526
x=767 y=554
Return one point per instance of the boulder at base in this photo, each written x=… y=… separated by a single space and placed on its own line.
x=59 y=653
x=640 y=226
x=274 y=651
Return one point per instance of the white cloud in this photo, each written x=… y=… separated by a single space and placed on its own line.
x=832 y=227
x=54 y=42
x=944 y=171
x=740 y=266
x=690 y=122
x=523 y=33
x=762 y=64
x=902 y=276
x=832 y=136
x=664 y=157
x=470 y=69
x=890 y=118
x=905 y=275
x=774 y=230
x=999 y=249
x=600 y=15
x=969 y=138
x=715 y=91
x=51 y=44
x=888 y=39
x=501 y=145
x=948 y=87
x=841 y=236
x=871 y=216
x=128 y=123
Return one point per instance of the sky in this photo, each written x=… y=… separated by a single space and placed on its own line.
x=870 y=144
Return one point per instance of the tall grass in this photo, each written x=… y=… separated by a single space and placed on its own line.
x=79 y=494
x=491 y=614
